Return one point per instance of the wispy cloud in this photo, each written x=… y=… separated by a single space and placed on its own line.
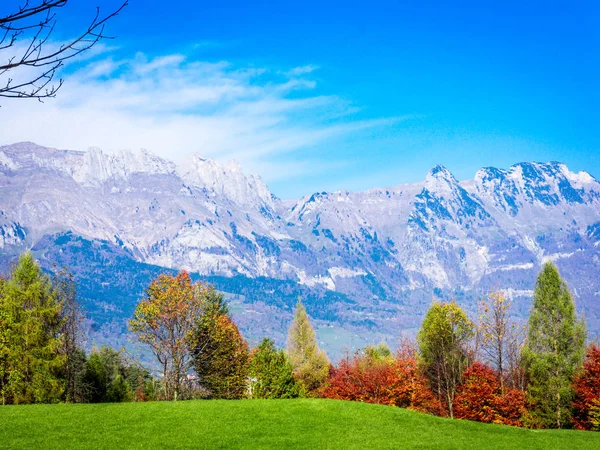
x=301 y=70
x=174 y=105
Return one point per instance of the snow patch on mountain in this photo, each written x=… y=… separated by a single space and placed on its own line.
x=344 y=272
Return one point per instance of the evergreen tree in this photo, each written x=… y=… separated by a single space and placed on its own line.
x=271 y=373
x=554 y=351
x=310 y=363
x=443 y=340
x=30 y=358
x=220 y=356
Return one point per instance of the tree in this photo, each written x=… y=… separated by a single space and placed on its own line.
x=310 y=363
x=27 y=71
x=71 y=331
x=554 y=351
x=95 y=378
x=482 y=398
x=271 y=373
x=442 y=341
x=374 y=375
x=499 y=337
x=220 y=356
x=30 y=343
x=586 y=405
x=165 y=320
x=107 y=377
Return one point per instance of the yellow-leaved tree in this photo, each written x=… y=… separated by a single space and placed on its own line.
x=310 y=363
x=165 y=319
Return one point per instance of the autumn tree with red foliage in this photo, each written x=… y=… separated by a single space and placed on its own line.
x=480 y=397
x=586 y=406
x=372 y=378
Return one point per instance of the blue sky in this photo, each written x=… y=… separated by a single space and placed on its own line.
x=342 y=95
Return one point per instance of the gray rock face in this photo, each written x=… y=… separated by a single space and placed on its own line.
x=389 y=244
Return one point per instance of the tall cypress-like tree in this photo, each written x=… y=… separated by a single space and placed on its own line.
x=554 y=351
x=311 y=365
x=30 y=357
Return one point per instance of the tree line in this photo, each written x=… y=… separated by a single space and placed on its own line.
x=187 y=326
x=490 y=369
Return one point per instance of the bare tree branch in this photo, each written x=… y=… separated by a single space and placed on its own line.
x=35 y=24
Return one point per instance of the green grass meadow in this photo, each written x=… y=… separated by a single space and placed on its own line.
x=255 y=424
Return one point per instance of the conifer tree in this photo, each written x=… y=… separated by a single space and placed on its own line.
x=310 y=363
x=30 y=358
x=220 y=356
x=554 y=351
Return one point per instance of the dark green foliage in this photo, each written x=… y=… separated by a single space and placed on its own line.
x=271 y=373
x=554 y=351
x=109 y=377
x=95 y=378
x=118 y=390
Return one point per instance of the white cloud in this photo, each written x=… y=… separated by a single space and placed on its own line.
x=174 y=106
x=301 y=70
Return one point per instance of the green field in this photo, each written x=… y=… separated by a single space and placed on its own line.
x=254 y=424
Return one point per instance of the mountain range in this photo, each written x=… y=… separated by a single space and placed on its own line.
x=366 y=263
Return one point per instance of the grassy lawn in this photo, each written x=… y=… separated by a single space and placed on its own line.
x=255 y=424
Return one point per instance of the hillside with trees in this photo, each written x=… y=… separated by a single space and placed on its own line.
x=482 y=369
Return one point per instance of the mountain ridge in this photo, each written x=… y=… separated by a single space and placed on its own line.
x=400 y=244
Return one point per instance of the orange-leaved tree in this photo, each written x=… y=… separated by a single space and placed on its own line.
x=482 y=398
x=164 y=320
x=586 y=405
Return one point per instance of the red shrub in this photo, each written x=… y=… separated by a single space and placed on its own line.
x=480 y=398
x=392 y=381
x=587 y=391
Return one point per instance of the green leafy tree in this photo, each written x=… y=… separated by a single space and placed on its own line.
x=30 y=341
x=554 y=351
x=95 y=379
x=109 y=377
x=271 y=373
x=443 y=347
x=310 y=363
